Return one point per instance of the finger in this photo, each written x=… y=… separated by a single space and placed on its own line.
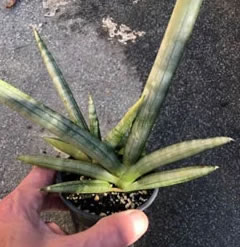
x=55 y=228
x=38 y=177
x=118 y=230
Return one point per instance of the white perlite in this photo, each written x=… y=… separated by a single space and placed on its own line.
x=121 y=32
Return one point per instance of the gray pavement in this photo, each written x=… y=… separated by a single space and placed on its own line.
x=202 y=102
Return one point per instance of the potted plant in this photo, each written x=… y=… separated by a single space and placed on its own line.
x=117 y=167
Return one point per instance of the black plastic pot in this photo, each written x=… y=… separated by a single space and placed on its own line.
x=83 y=220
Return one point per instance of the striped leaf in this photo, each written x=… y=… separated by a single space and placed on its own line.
x=69 y=165
x=117 y=135
x=176 y=36
x=93 y=119
x=67 y=148
x=171 y=177
x=121 y=152
x=172 y=154
x=60 y=83
x=84 y=186
x=65 y=129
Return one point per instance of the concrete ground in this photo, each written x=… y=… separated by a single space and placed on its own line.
x=202 y=102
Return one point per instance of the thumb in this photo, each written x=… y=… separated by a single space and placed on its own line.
x=118 y=230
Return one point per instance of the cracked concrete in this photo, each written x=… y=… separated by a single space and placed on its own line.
x=203 y=101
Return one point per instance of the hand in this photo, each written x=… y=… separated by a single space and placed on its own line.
x=21 y=226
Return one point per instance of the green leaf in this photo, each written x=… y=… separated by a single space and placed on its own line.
x=67 y=148
x=84 y=186
x=60 y=83
x=121 y=152
x=176 y=36
x=172 y=154
x=171 y=177
x=93 y=119
x=69 y=165
x=118 y=133
x=60 y=126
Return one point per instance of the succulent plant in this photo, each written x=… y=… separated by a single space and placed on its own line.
x=118 y=162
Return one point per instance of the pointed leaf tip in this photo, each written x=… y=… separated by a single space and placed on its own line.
x=44 y=189
x=93 y=118
x=60 y=83
x=159 y=80
x=36 y=34
x=21 y=157
x=172 y=154
x=66 y=148
x=69 y=165
x=118 y=135
x=84 y=186
x=231 y=139
x=227 y=139
x=171 y=177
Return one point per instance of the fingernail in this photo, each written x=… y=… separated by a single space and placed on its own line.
x=139 y=220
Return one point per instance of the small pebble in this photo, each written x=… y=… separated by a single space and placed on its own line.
x=96 y=198
x=102 y=214
x=122 y=201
